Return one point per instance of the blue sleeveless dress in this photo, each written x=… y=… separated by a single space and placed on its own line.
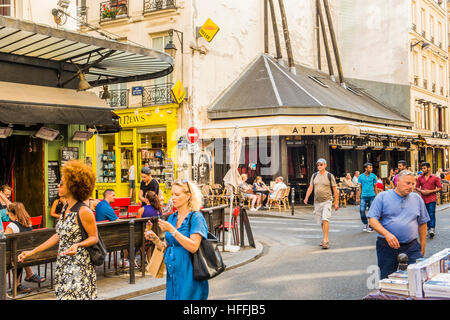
x=180 y=284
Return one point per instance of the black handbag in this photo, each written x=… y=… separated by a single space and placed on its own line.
x=207 y=261
x=97 y=251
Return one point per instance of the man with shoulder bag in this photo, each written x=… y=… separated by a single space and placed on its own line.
x=324 y=185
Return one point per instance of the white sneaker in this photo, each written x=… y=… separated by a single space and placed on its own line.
x=369 y=229
x=253 y=209
x=365 y=228
x=257 y=208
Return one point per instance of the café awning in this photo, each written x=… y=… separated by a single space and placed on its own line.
x=437 y=142
x=29 y=104
x=280 y=126
x=104 y=61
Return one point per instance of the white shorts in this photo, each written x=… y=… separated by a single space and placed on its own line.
x=322 y=211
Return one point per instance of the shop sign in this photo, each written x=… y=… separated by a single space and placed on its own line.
x=178 y=92
x=208 y=30
x=137 y=91
x=314 y=130
x=131 y=119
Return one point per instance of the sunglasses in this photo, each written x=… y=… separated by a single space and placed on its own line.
x=185 y=182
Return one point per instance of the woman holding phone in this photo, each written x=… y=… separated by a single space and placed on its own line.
x=184 y=231
x=75 y=277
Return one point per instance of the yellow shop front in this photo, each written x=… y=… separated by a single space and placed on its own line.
x=148 y=138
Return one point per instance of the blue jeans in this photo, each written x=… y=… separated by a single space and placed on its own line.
x=365 y=202
x=387 y=256
x=431 y=208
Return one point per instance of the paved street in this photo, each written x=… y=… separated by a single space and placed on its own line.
x=294 y=266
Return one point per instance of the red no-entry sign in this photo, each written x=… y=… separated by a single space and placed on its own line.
x=192 y=135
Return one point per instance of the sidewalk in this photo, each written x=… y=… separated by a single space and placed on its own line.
x=117 y=287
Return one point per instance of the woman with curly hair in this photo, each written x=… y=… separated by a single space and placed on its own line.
x=75 y=277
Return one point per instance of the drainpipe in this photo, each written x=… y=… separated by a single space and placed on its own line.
x=286 y=37
x=319 y=62
x=325 y=42
x=333 y=40
x=275 y=31
x=266 y=28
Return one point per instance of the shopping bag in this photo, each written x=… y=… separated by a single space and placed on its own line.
x=156 y=267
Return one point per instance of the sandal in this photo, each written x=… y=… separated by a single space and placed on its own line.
x=22 y=289
x=35 y=278
x=325 y=245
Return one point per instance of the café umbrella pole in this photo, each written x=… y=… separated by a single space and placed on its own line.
x=232 y=180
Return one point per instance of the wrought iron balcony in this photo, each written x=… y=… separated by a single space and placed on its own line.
x=157 y=94
x=119 y=98
x=113 y=9
x=156 y=5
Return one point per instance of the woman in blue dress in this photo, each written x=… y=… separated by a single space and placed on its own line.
x=184 y=231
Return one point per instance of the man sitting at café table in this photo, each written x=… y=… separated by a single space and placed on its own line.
x=103 y=210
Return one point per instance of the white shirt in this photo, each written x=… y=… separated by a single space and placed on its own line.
x=131 y=174
x=277 y=187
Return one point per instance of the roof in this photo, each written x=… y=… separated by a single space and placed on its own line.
x=267 y=88
x=106 y=61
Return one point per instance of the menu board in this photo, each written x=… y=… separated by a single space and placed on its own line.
x=53 y=180
x=68 y=153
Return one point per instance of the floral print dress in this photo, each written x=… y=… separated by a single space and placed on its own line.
x=75 y=277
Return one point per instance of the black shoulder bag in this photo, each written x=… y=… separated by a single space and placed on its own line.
x=96 y=251
x=207 y=261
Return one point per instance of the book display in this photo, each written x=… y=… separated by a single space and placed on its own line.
x=427 y=278
x=153 y=155
x=108 y=159
x=126 y=162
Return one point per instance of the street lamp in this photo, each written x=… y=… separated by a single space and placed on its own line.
x=425 y=45
x=170 y=48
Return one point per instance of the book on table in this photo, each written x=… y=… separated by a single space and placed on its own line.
x=396 y=284
x=399 y=274
x=438 y=286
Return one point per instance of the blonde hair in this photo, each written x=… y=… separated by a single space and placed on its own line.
x=196 y=200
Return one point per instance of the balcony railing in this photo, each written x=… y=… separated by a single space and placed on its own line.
x=433 y=87
x=425 y=84
x=157 y=94
x=119 y=98
x=113 y=9
x=156 y=5
x=416 y=80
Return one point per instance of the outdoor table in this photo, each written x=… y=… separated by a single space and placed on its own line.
x=379 y=295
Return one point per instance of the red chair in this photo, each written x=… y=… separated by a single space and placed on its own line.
x=5 y=224
x=121 y=203
x=133 y=209
x=36 y=221
x=234 y=225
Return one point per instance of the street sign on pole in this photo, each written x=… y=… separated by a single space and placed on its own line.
x=193 y=135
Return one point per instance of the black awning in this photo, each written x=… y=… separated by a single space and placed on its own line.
x=25 y=113
x=29 y=104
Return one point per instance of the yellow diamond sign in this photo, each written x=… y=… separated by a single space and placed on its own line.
x=208 y=30
x=178 y=92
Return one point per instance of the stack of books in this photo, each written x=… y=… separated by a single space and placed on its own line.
x=394 y=285
x=438 y=286
x=424 y=270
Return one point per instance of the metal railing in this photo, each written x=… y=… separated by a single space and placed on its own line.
x=119 y=98
x=156 y=5
x=112 y=9
x=157 y=94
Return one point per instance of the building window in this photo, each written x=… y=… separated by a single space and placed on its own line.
x=6 y=7
x=422 y=21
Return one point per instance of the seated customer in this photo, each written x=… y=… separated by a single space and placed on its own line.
x=103 y=210
x=260 y=188
x=279 y=184
x=246 y=190
x=152 y=207
x=20 y=221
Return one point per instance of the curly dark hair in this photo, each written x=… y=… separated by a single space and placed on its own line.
x=79 y=179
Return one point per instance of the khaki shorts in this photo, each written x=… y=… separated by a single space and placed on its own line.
x=322 y=211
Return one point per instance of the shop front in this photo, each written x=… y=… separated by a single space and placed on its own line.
x=148 y=138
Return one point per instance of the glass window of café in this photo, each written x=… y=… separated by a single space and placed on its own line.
x=106 y=158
